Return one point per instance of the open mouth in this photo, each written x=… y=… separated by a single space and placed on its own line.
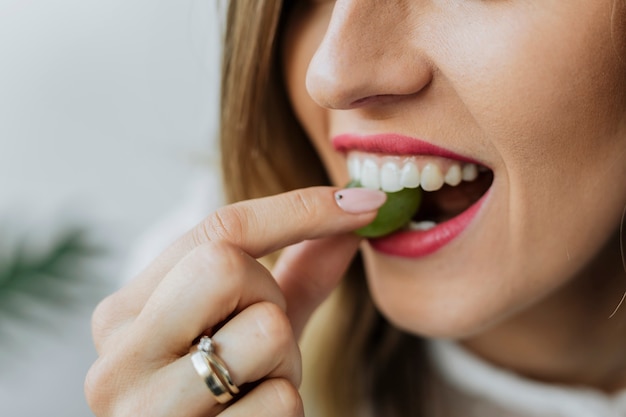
x=450 y=186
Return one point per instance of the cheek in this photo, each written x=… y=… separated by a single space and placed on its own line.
x=551 y=100
x=544 y=93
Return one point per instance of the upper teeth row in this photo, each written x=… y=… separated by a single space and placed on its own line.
x=392 y=174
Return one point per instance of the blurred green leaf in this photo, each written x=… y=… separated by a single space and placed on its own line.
x=55 y=275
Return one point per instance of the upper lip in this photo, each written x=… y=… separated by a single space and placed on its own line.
x=394 y=144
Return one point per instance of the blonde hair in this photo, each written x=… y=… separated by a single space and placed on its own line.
x=359 y=360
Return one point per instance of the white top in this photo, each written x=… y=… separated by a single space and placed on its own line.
x=475 y=388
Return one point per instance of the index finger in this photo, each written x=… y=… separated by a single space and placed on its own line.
x=262 y=226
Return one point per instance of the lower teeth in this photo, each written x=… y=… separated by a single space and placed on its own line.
x=421 y=226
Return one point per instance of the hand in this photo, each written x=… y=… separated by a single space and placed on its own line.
x=209 y=282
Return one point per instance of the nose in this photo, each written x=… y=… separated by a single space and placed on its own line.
x=371 y=50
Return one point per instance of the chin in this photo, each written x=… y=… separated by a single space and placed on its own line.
x=444 y=304
x=450 y=319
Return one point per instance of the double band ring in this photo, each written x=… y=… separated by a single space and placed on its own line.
x=213 y=371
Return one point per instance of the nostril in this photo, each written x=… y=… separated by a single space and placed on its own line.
x=371 y=99
x=334 y=84
x=330 y=83
x=376 y=99
x=330 y=88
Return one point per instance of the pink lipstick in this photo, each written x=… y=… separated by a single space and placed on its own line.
x=393 y=144
x=417 y=244
x=420 y=243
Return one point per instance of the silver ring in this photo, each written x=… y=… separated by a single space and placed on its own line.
x=215 y=385
x=213 y=371
x=207 y=346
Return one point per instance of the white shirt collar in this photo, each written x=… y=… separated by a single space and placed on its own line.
x=475 y=377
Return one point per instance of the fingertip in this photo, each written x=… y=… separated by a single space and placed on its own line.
x=360 y=200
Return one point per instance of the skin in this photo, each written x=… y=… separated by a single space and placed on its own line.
x=533 y=90
x=209 y=281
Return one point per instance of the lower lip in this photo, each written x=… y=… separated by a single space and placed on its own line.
x=417 y=244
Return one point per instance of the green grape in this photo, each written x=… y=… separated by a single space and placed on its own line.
x=397 y=211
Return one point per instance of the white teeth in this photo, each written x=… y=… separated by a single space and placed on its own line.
x=369 y=174
x=421 y=226
x=453 y=176
x=392 y=173
x=431 y=178
x=354 y=167
x=410 y=176
x=470 y=172
x=390 y=178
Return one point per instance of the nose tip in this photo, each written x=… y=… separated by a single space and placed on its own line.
x=360 y=58
x=330 y=87
x=336 y=87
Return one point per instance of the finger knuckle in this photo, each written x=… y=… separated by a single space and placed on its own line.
x=99 y=388
x=274 y=325
x=103 y=319
x=222 y=258
x=93 y=391
x=304 y=205
x=226 y=223
x=213 y=254
x=285 y=397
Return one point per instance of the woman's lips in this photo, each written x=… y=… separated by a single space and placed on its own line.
x=417 y=244
x=394 y=144
x=413 y=243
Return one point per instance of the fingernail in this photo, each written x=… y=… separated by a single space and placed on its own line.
x=360 y=200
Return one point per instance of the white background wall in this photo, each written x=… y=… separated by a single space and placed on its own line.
x=108 y=110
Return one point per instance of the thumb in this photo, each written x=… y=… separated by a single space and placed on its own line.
x=309 y=271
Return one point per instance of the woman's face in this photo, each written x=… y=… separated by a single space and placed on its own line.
x=532 y=94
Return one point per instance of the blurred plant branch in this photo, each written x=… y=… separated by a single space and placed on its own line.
x=56 y=273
